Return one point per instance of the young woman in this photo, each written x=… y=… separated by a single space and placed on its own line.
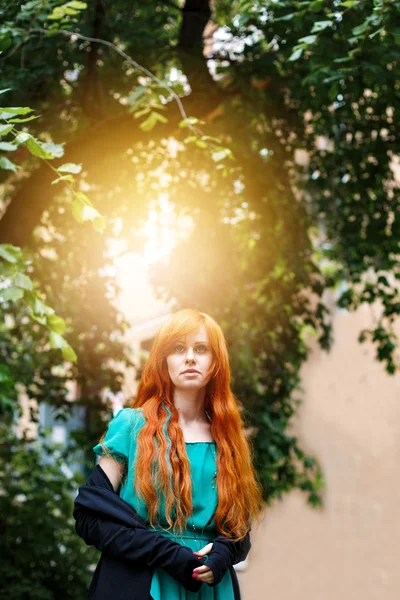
x=179 y=456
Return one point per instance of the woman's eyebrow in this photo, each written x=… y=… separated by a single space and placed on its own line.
x=195 y=342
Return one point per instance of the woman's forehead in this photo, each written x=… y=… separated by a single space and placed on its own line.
x=200 y=335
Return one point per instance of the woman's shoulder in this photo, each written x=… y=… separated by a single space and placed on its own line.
x=131 y=417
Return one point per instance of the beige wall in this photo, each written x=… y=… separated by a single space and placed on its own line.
x=349 y=420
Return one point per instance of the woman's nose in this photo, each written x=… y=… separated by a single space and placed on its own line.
x=190 y=354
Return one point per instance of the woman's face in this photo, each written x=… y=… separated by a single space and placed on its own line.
x=192 y=352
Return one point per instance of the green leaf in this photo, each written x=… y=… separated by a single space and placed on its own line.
x=309 y=39
x=17 y=110
x=143 y=111
x=4 y=129
x=17 y=120
x=361 y=28
x=151 y=121
x=83 y=210
x=8 y=146
x=37 y=306
x=343 y=60
x=286 y=17
x=221 y=154
x=6 y=164
x=23 y=281
x=5 y=374
x=42 y=320
x=189 y=121
x=317 y=5
x=10 y=253
x=61 y=11
x=372 y=35
x=137 y=97
x=5 y=90
x=77 y=5
x=57 y=342
x=55 y=150
x=320 y=26
x=296 y=54
x=56 y=323
x=33 y=145
x=70 y=168
x=350 y=3
x=11 y=293
x=69 y=354
x=63 y=178
x=5 y=42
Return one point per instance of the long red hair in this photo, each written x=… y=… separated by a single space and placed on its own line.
x=161 y=442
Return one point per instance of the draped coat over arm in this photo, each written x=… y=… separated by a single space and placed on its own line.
x=130 y=551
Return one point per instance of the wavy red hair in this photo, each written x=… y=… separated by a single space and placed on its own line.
x=239 y=494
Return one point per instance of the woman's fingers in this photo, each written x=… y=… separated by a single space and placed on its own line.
x=206 y=550
x=203 y=573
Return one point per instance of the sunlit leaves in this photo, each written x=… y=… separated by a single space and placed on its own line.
x=221 y=153
x=33 y=145
x=10 y=112
x=63 y=178
x=11 y=293
x=23 y=281
x=4 y=129
x=320 y=26
x=296 y=54
x=67 y=168
x=65 y=15
x=190 y=121
x=7 y=164
x=83 y=210
x=57 y=341
x=8 y=146
x=137 y=98
x=55 y=150
x=10 y=253
x=70 y=168
x=153 y=118
x=16 y=285
x=56 y=323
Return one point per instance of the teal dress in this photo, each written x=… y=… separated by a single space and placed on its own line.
x=120 y=441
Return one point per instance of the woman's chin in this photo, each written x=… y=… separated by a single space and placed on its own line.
x=190 y=384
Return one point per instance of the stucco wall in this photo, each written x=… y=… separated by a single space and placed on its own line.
x=350 y=420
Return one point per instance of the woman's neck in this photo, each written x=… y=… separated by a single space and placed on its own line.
x=190 y=407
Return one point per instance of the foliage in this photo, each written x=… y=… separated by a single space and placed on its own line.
x=41 y=555
x=15 y=283
x=339 y=65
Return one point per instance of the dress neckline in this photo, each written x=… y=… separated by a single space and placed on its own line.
x=212 y=442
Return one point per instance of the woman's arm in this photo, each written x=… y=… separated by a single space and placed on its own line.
x=114 y=471
x=106 y=521
x=225 y=553
x=238 y=550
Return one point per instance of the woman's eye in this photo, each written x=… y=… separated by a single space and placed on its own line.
x=201 y=348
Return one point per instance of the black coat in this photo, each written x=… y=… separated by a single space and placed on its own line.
x=130 y=551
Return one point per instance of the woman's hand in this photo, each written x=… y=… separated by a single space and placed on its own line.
x=203 y=573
